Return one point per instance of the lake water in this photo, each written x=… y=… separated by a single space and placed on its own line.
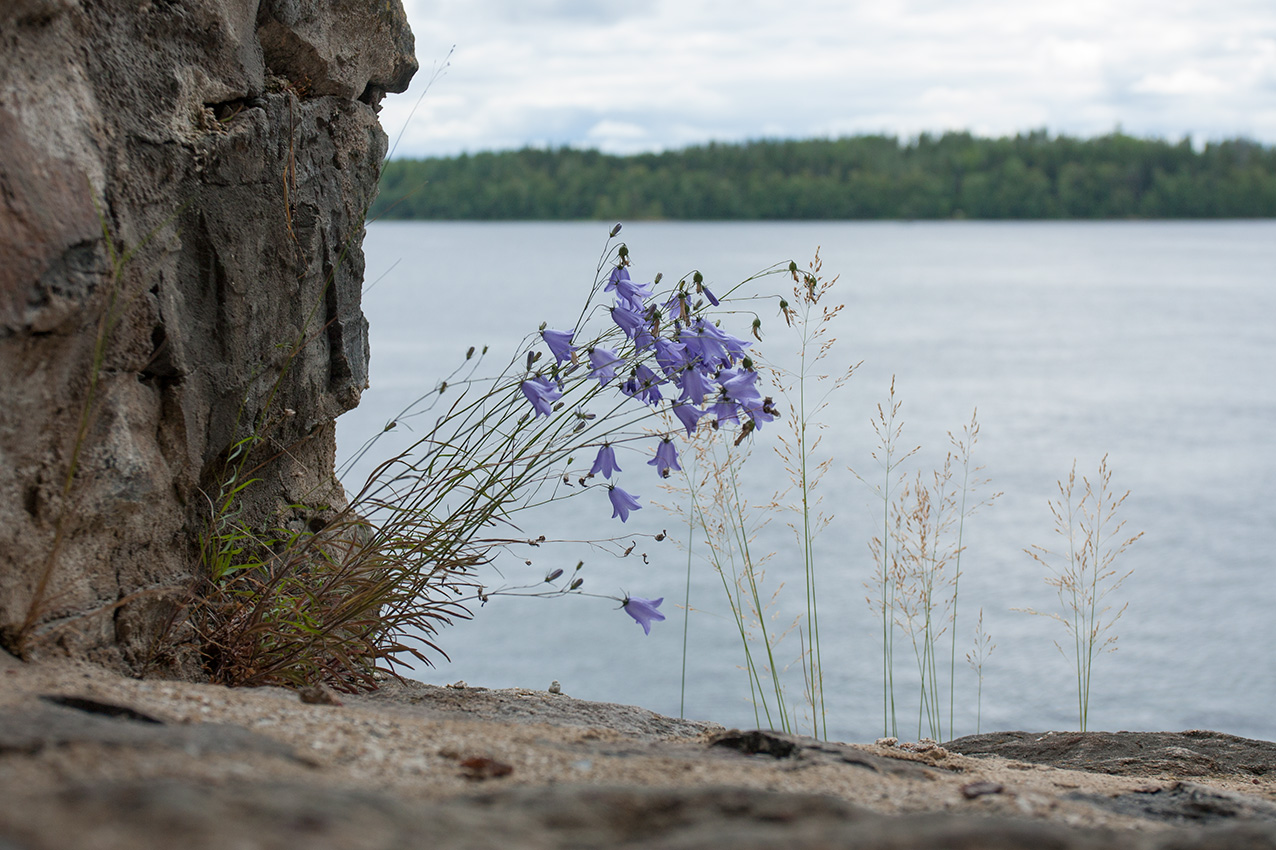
x=1153 y=343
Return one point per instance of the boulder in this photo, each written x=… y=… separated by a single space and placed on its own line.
x=182 y=194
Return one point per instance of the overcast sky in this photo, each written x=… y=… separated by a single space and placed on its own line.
x=644 y=75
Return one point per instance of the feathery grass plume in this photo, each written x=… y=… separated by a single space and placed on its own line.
x=806 y=391
x=976 y=658
x=1084 y=577
x=961 y=454
x=351 y=590
x=923 y=586
x=918 y=563
x=885 y=549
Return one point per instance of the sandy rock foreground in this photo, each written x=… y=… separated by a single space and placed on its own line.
x=92 y=760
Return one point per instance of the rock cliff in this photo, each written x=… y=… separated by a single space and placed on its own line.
x=182 y=194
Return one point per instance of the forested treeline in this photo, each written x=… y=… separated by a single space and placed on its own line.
x=955 y=175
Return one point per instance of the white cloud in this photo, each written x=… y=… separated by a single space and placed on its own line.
x=653 y=74
x=1185 y=81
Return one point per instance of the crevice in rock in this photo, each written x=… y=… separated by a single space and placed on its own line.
x=160 y=364
x=227 y=111
x=31 y=500
x=106 y=709
x=372 y=95
x=757 y=742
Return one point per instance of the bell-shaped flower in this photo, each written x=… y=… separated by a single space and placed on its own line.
x=670 y=356
x=643 y=611
x=634 y=295
x=603 y=363
x=621 y=503
x=695 y=386
x=648 y=384
x=712 y=344
x=618 y=275
x=666 y=458
x=627 y=292
x=740 y=385
x=688 y=415
x=761 y=413
x=542 y=393
x=605 y=463
x=643 y=338
x=559 y=342
x=629 y=321
x=725 y=410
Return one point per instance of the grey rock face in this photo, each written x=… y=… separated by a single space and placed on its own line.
x=179 y=813
x=522 y=706
x=30 y=731
x=229 y=148
x=1179 y=754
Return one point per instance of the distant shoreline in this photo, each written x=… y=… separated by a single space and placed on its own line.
x=955 y=176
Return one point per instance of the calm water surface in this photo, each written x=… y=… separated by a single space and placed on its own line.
x=1154 y=343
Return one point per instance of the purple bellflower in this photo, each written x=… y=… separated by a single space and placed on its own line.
x=542 y=393
x=740 y=386
x=666 y=458
x=643 y=611
x=627 y=292
x=736 y=394
x=629 y=321
x=647 y=385
x=643 y=338
x=618 y=275
x=724 y=410
x=603 y=362
x=559 y=342
x=633 y=294
x=694 y=385
x=671 y=356
x=605 y=463
x=712 y=344
x=688 y=415
x=707 y=294
x=761 y=413
x=622 y=503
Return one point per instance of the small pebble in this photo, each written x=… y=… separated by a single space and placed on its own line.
x=317 y=695
x=971 y=790
x=482 y=767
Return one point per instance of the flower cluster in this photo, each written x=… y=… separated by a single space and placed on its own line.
x=649 y=353
x=665 y=354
